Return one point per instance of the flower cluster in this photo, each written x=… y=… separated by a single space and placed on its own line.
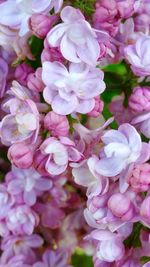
x=74 y=132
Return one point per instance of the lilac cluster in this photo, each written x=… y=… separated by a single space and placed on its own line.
x=74 y=179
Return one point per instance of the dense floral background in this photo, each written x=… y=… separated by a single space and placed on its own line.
x=74 y=133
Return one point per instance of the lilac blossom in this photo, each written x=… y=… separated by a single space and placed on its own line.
x=52 y=258
x=15 y=261
x=57 y=124
x=28 y=184
x=122 y=147
x=22 y=220
x=138 y=56
x=70 y=90
x=109 y=245
x=20 y=245
x=51 y=214
x=142 y=122
x=6 y=201
x=15 y=14
x=139 y=100
x=3 y=76
x=76 y=38
x=59 y=153
x=23 y=121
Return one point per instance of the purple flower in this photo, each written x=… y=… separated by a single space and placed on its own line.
x=22 y=123
x=16 y=261
x=6 y=201
x=109 y=245
x=28 y=184
x=76 y=38
x=59 y=153
x=23 y=245
x=70 y=90
x=57 y=124
x=15 y=14
x=139 y=100
x=22 y=220
x=3 y=76
x=51 y=214
x=122 y=147
x=138 y=56
x=52 y=258
x=86 y=175
x=106 y=16
x=142 y=122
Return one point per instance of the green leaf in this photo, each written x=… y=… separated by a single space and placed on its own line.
x=120 y=68
x=80 y=259
x=144 y=259
x=86 y=6
x=36 y=47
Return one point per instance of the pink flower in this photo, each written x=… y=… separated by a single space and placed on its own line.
x=121 y=148
x=28 y=184
x=145 y=210
x=15 y=261
x=76 y=38
x=139 y=100
x=85 y=175
x=3 y=76
x=51 y=53
x=41 y=24
x=6 y=201
x=20 y=245
x=16 y=13
x=21 y=73
x=106 y=16
x=138 y=56
x=142 y=122
x=139 y=177
x=98 y=108
x=125 y=210
x=23 y=121
x=34 y=81
x=22 y=220
x=126 y=8
x=59 y=153
x=57 y=258
x=70 y=90
x=58 y=125
x=121 y=113
x=109 y=245
x=21 y=155
x=51 y=214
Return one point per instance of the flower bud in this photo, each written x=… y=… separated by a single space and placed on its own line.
x=106 y=16
x=34 y=81
x=57 y=124
x=51 y=54
x=121 y=206
x=145 y=209
x=20 y=155
x=39 y=162
x=98 y=108
x=139 y=178
x=139 y=100
x=21 y=73
x=41 y=24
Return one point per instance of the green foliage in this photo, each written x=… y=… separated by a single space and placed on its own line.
x=36 y=47
x=86 y=6
x=145 y=259
x=80 y=259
